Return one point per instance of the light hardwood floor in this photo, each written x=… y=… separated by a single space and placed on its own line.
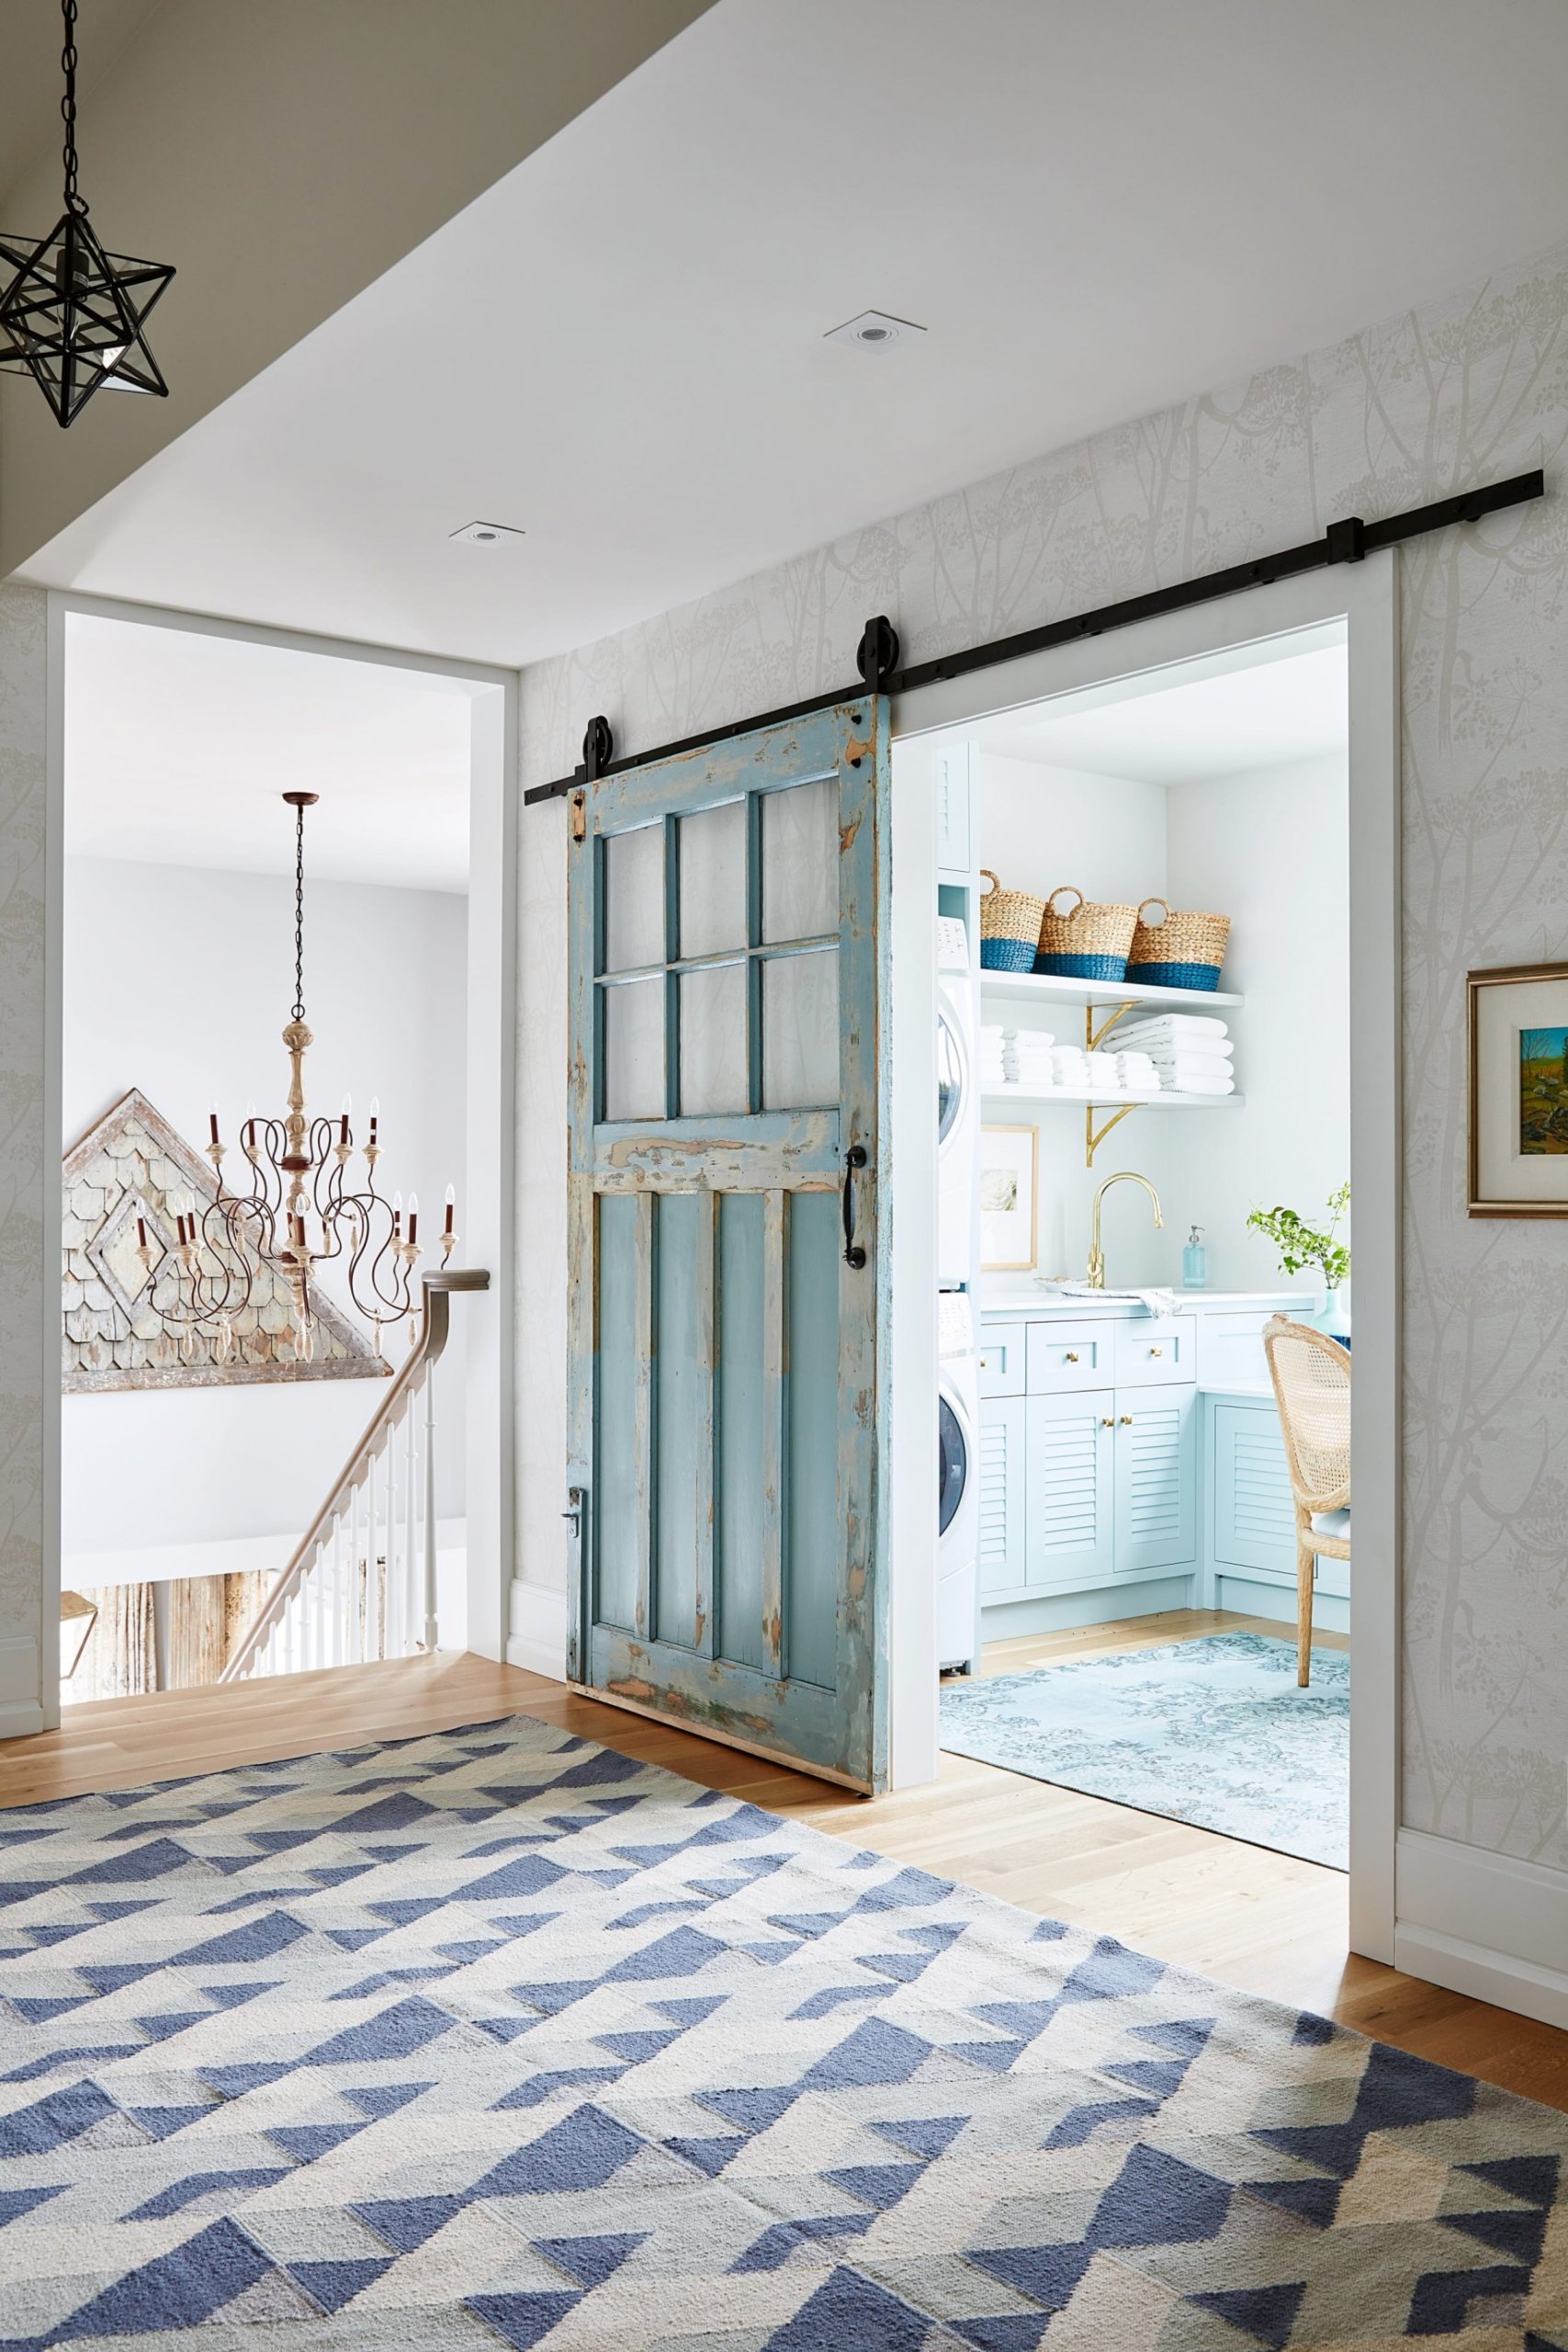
x=1258 y=1920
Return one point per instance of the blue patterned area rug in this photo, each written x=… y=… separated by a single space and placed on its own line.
x=1216 y=1732
x=496 y=2038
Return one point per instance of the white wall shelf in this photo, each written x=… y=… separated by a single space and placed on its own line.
x=1168 y=1101
x=1043 y=988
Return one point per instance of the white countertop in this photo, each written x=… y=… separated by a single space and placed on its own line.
x=1028 y=1297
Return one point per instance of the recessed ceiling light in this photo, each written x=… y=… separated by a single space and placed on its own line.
x=873 y=330
x=485 y=534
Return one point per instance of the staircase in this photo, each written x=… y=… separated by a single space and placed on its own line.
x=361 y=1584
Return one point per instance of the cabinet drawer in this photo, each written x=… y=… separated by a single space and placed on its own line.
x=1001 y=1359
x=1069 y=1356
x=1153 y=1349
x=1230 y=1347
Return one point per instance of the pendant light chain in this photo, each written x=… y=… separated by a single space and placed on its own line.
x=299 y=908
x=73 y=202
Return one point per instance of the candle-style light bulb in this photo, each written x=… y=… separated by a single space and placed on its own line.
x=342 y=1130
x=375 y=1115
x=451 y=1207
x=212 y=1120
x=413 y=1218
x=397 y=1216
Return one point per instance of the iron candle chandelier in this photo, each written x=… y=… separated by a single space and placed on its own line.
x=300 y=1208
x=71 y=315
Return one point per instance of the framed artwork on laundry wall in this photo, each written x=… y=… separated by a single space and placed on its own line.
x=1010 y=1194
x=1517 y=1040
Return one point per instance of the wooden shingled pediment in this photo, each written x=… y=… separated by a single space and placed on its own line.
x=128 y=1166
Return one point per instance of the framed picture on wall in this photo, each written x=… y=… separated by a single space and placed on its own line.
x=1519 y=1091
x=1010 y=1170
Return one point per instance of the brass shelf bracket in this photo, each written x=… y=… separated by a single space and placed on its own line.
x=1091 y=1036
x=1093 y=1141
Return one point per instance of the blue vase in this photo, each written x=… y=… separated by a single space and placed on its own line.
x=1331 y=1318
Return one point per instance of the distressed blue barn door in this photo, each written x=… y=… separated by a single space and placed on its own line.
x=730 y=1237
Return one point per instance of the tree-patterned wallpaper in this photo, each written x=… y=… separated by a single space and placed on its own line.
x=1462 y=391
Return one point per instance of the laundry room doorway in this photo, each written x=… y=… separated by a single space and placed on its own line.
x=1137 y=1233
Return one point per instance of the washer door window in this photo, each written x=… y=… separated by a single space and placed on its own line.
x=952 y=1467
x=950 y=1076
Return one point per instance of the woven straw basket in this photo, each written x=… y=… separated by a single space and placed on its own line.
x=1180 y=951
x=1010 y=926
x=1088 y=943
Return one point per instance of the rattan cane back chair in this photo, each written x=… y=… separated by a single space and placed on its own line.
x=1311 y=1373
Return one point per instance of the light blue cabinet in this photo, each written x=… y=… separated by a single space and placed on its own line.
x=1102 y=1464
x=1002 y=1476
x=1249 y=1520
x=1079 y=1488
x=1069 y=1496
x=1252 y=1519
x=1156 y=1479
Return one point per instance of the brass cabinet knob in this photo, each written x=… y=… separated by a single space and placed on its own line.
x=1108 y=1422
x=1157 y=1352
x=1071 y=1357
x=1126 y=1420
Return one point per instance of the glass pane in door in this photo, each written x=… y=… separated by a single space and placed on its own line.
x=713 y=879
x=634 y=899
x=634 y=1050
x=800 y=861
x=800 y=1031
x=713 y=1041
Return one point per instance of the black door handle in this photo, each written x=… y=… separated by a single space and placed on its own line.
x=856 y=1157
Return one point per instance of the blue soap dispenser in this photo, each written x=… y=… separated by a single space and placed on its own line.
x=1194 y=1261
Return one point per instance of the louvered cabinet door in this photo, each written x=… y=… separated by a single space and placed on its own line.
x=1069 y=1506
x=1002 y=1476
x=1156 y=1478
x=1254 y=1518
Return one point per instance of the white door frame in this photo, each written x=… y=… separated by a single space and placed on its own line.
x=1365 y=595
x=488 y=1210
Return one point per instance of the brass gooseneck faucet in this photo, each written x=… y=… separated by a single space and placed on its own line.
x=1096 y=1254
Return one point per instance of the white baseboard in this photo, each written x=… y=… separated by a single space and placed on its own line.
x=1445 y=1890
x=539 y=1625
x=19 y=1722
x=1484 y=1975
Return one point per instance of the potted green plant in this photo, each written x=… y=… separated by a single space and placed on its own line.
x=1302 y=1245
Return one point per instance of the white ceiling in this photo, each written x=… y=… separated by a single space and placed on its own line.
x=177 y=746
x=1286 y=707
x=1093 y=210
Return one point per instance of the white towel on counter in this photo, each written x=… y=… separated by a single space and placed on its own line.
x=1103 y=1070
x=1138 y=1074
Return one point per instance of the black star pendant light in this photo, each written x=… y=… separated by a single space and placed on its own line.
x=72 y=316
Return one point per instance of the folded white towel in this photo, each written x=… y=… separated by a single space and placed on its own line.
x=1213 y=1049
x=1201 y=1083
x=1193 y=1066
x=1172 y=1024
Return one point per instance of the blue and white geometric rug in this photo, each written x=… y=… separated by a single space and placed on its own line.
x=496 y=2038
x=1215 y=1731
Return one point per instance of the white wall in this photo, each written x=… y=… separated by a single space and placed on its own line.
x=1041 y=827
x=178 y=980
x=26 y=1232
x=1270 y=850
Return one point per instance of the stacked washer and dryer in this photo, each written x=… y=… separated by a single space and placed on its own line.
x=958 y=1154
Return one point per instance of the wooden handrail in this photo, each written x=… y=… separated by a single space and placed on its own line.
x=426 y=1352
